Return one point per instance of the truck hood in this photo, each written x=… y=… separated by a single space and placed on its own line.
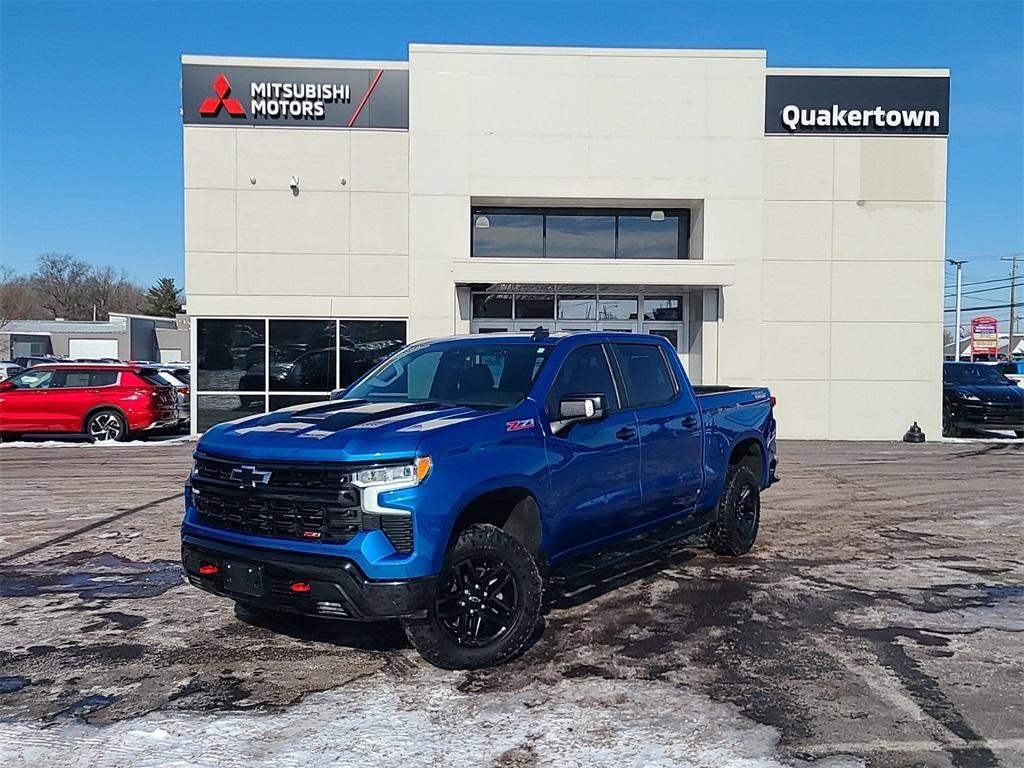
x=338 y=430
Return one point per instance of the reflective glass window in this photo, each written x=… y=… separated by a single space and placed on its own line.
x=230 y=355
x=580 y=237
x=577 y=308
x=668 y=308
x=492 y=305
x=508 y=235
x=617 y=308
x=533 y=306
x=302 y=356
x=642 y=238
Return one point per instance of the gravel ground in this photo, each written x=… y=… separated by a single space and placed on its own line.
x=877 y=622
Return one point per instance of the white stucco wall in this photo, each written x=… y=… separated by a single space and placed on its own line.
x=817 y=260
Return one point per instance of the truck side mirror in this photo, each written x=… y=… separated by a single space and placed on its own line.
x=574 y=409
x=6 y=385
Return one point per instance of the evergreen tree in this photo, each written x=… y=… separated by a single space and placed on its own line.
x=164 y=298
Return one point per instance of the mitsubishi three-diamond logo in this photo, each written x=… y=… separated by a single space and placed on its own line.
x=211 y=106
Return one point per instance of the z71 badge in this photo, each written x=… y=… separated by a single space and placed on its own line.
x=515 y=426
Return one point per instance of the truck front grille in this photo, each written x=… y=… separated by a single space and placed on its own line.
x=282 y=475
x=288 y=517
x=308 y=502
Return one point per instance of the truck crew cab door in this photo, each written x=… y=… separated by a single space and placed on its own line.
x=669 y=427
x=594 y=466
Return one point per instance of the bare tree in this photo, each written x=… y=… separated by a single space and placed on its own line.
x=17 y=299
x=63 y=286
x=60 y=280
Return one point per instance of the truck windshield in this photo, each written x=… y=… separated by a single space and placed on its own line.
x=473 y=373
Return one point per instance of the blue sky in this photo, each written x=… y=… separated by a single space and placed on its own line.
x=90 y=133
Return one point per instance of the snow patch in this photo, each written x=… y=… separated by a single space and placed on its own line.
x=424 y=720
x=85 y=443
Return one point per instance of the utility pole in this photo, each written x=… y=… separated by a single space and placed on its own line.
x=956 y=331
x=1013 y=301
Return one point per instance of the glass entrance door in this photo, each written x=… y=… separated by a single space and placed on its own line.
x=670 y=331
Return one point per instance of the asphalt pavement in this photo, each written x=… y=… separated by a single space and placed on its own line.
x=877 y=622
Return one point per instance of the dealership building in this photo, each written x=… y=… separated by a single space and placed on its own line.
x=783 y=227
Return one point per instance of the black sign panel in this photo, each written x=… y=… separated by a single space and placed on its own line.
x=290 y=97
x=856 y=105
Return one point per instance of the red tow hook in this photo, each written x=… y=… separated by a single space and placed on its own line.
x=208 y=569
x=301 y=587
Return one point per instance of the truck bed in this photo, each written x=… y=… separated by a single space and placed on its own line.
x=717 y=396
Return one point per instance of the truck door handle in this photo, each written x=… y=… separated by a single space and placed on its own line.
x=626 y=433
x=690 y=421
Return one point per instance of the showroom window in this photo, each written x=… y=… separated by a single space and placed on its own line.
x=667 y=308
x=580 y=233
x=238 y=373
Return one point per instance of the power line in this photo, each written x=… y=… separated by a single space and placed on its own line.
x=977 y=309
x=979 y=290
x=986 y=282
x=988 y=256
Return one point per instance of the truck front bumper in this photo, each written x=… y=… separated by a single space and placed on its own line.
x=314 y=585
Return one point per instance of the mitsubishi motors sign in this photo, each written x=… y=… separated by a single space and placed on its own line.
x=312 y=97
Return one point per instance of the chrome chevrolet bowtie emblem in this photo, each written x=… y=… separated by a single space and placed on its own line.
x=249 y=477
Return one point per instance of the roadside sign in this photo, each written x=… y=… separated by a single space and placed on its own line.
x=984 y=336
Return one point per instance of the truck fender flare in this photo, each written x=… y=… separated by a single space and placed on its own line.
x=511 y=504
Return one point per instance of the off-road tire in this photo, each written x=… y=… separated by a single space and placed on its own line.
x=733 y=531
x=438 y=644
x=949 y=427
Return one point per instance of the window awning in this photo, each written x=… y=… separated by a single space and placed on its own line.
x=594 y=275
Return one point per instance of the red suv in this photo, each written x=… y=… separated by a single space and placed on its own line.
x=106 y=402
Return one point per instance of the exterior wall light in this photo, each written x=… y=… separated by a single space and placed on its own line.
x=657 y=215
x=482 y=222
x=294 y=183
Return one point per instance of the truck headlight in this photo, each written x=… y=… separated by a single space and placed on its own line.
x=374 y=482
x=967 y=396
x=397 y=476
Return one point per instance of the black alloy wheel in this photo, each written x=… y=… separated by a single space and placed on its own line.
x=949 y=427
x=478 y=601
x=748 y=509
x=487 y=602
x=739 y=513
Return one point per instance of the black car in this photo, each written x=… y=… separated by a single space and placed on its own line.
x=978 y=396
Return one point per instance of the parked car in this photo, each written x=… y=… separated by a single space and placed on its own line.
x=445 y=483
x=8 y=369
x=28 y=362
x=977 y=396
x=106 y=402
x=173 y=376
x=1013 y=370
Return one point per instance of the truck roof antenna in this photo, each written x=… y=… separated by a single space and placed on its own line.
x=540 y=333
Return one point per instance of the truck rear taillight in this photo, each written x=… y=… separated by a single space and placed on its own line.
x=773 y=401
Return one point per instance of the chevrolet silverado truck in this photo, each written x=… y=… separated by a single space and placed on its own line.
x=447 y=484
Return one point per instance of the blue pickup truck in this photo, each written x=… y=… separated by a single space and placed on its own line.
x=445 y=486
